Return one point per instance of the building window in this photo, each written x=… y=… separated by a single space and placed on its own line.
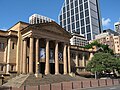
x=76 y=10
x=12 y=67
x=73 y=26
x=87 y=20
x=77 y=17
x=82 y=22
x=81 y=15
x=72 y=12
x=89 y=36
x=2 y=68
x=76 y=3
x=86 y=5
x=88 y=28
x=77 y=24
x=80 y=1
x=13 y=45
x=68 y=21
x=86 y=13
x=71 y=5
x=81 y=7
x=72 y=18
x=83 y=30
x=68 y=14
x=1 y=45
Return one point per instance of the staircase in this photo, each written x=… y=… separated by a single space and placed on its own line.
x=31 y=80
x=17 y=81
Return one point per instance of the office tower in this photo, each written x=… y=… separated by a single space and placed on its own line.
x=117 y=27
x=36 y=18
x=81 y=17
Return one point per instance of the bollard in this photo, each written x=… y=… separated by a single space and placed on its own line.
x=98 y=83
x=24 y=87
x=72 y=86
x=81 y=84
x=106 y=82
x=50 y=87
x=10 y=88
x=90 y=84
x=61 y=86
x=38 y=87
x=112 y=81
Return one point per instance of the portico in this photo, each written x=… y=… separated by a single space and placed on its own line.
x=45 y=49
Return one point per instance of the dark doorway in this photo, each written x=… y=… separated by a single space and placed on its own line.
x=61 y=68
x=52 y=68
x=42 y=68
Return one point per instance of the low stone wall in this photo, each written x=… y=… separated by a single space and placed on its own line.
x=70 y=85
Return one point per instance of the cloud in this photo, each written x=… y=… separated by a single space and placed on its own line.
x=4 y=29
x=106 y=22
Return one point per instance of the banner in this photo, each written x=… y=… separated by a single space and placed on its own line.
x=42 y=53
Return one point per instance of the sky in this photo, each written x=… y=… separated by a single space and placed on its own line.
x=12 y=11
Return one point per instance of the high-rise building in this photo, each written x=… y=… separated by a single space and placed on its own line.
x=117 y=27
x=36 y=18
x=81 y=17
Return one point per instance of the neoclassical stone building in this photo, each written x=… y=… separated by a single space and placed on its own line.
x=40 y=48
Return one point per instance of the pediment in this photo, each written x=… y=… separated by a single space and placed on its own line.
x=53 y=28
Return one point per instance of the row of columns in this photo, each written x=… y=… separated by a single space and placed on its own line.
x=47 y=64
x=83 y=59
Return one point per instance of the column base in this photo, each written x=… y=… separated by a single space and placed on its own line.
x=38 y=75
x=72 y=74
x=65 y=73
x=57 y=73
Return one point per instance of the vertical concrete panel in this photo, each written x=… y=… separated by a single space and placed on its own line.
x=14 y=88
x=32 y=88
x=109 y=82
x=86 y=83
x=95 y=83
x=67 y=85
x=76 y=84
x=56 y=86
x=102 y=82
x=45 y=87
x=116 y=82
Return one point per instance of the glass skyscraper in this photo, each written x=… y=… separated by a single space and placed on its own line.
x=81 y=17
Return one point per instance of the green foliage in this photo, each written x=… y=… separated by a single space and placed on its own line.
x=103 y=62
x=105 y=48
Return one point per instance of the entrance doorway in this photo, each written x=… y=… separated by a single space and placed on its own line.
x=61 y=68
x=52 y=68
x=42 y=68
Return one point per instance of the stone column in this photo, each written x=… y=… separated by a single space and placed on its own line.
x=31 y=55
x=69 y=60
x=37 y=56
x=47 y=64
x=91 y=55
x=56 y=59
x=24 y=56
x=8 y=55
x=83 y=60
x=77 y=62
x=65 y=59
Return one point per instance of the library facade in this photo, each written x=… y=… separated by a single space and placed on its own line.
x=40 y=49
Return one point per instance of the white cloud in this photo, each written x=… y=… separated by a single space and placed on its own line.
x=4 y=29
x=106 y=22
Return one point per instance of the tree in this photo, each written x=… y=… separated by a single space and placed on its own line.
x=105 y=48
x=102 y=62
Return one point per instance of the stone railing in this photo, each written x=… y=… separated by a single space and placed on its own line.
x=70 y=85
